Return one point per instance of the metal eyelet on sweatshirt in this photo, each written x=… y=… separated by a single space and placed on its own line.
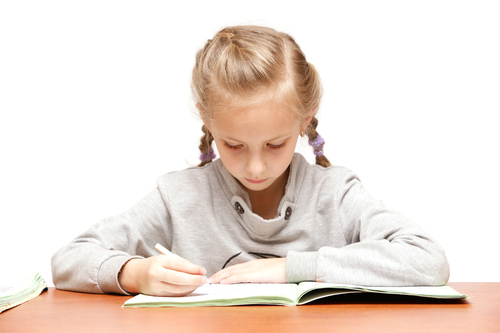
x=238 y=208
x=288 y=213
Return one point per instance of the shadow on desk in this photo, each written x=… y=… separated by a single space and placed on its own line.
x=373 y=298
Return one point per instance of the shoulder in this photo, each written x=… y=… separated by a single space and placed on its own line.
x=329 y=184
x=191 y=187
x=193 y=176
x=320 y=175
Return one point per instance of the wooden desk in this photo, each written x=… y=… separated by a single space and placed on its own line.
x=62 y=311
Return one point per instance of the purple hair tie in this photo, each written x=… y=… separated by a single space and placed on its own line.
x=318 y=145
x=209 y=155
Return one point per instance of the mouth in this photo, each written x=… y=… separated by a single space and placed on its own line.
x=256 y=181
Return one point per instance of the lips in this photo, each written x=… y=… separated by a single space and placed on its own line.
x=256 y=181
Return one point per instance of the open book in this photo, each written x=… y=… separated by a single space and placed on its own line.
x=280 y=294
x=19 y=288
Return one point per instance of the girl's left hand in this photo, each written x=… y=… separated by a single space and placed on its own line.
x=253 y=271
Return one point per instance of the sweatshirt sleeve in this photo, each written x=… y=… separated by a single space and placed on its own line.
x=384 y=248
x=92 y=261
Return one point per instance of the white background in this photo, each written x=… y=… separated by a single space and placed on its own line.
x=95 y=105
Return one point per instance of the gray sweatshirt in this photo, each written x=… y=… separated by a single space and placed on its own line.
x=327 y=226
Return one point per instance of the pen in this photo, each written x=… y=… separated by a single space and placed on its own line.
x=166 y=252
x=163 y=250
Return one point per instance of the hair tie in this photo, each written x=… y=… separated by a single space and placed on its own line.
x=317 y=145
x=208 y=155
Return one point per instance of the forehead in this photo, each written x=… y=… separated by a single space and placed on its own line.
x=230 y=104
x=241 y=115
x=259 y=122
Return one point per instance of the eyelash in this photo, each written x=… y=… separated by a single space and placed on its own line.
x=277 y=146
x=227 y=145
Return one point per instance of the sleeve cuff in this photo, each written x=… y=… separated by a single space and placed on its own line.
x=301 y=266
x=107 y=277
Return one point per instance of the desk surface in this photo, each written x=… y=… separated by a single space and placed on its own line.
x=63 y=311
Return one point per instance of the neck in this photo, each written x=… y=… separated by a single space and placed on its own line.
x=265 y=203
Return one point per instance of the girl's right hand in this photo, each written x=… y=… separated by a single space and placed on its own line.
x=161 y=276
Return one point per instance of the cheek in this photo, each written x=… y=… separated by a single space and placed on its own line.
x=289 y=153
x=230 y=161
x=283 y=160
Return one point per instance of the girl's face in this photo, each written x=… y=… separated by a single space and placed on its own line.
x=256 y=145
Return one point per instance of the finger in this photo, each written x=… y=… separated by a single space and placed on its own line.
x=178 y=292
x=243 y=274
x=167 y=289
x=168 y=282
x=236 y=270
x=180 y=264
x=254 y=271
x=181 y=278
x=240 y=278
x=220 y=275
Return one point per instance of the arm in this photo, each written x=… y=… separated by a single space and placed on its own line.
x=94 y=260
x=384 y=247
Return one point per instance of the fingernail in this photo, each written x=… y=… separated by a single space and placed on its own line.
x=204 y=280
x=203 y=271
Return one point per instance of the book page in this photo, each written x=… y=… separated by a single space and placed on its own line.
x=308 y=291
x=16 y=283
x=17 y=290
x=6 y=287
x=224 y=294
x=424 y=291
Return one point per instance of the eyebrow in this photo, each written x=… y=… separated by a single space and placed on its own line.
x=281 y=136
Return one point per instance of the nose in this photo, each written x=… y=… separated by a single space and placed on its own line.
x=256 y=165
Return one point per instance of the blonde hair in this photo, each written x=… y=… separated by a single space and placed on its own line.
x=253 y=65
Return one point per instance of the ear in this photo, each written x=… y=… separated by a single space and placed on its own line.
x=198 y=106
x=312 y=113
x=306 y=122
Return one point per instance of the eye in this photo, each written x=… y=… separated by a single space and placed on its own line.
x=277 y=146
x=228 y=146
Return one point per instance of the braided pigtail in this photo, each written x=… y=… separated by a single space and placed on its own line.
x=317 y=142
x=207 y=152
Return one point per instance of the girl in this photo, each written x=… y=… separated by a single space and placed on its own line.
x=259 y=213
